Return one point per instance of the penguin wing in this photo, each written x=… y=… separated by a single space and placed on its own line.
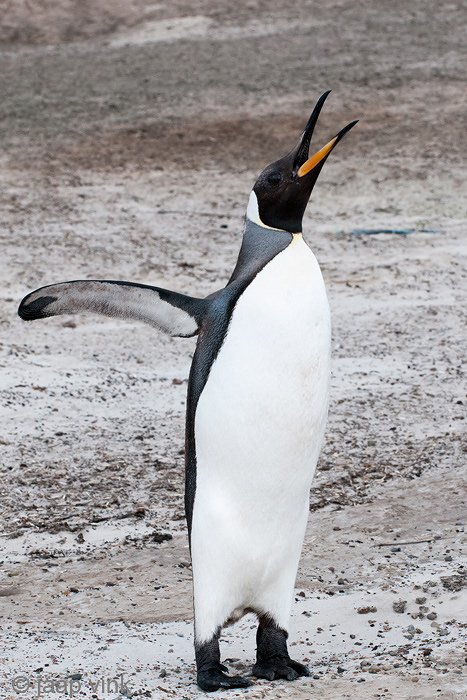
x=173 y=313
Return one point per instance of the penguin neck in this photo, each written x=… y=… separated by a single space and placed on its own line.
x=253 y=215
x=252 y=212
x=260 y=245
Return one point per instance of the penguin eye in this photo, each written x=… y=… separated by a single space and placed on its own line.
x=274 y=178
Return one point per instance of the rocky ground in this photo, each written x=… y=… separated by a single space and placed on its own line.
x=131 y=134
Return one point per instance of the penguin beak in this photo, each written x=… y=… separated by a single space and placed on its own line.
x=302 y=163
x=283 y=189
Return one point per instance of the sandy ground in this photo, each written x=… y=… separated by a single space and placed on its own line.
x=131 y=134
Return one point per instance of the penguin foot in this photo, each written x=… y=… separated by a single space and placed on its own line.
x=272 y=658
x=214 y=678
x=279 y=667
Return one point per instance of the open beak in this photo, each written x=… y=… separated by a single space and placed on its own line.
x=302 y=163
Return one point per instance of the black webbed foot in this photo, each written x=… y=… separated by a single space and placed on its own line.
x=215 y=678
x=273 y=660
x=211 y=673
x=279 y=667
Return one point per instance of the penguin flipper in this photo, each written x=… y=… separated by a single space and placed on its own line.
x=173 y=313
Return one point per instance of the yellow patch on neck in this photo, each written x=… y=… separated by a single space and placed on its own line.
x=295 y=237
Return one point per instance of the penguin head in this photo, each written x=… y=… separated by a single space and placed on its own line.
x=281 y=193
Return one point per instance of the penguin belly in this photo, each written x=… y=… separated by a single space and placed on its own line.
x=259 y=425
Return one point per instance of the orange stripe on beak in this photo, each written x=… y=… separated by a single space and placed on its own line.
x=317 y=158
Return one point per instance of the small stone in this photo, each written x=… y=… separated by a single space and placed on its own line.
x=414 y=679
x=352 y=636
x=460 y=523
x=420 y=601
x=448 y=557
x=399 y=606
x=365 y=609
x=410 y=628
x=395 y=549
x=432 y=616
x=340 y=669
x=443 y=632
x=163 y=673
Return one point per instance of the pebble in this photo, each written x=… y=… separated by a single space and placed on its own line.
x=365 y=609
x=420 y=601
x=399 y=606
x=432 y=616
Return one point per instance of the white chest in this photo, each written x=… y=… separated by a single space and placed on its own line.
x=261 y=416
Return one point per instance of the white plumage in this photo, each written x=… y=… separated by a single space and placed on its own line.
x=259 y=427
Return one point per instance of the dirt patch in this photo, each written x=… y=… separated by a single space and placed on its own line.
x=57 y=21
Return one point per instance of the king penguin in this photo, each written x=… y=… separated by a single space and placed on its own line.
x=256 y=410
